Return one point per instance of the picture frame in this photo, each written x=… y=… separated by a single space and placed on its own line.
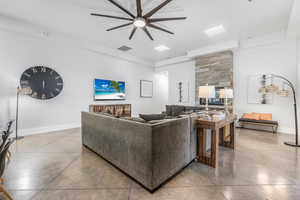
x=146 y=89
x=255 y=82
x=183 y=91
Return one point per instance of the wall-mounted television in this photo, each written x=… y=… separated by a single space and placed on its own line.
x=109 y=90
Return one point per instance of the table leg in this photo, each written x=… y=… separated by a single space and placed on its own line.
x=214 y=148
x=201 y=145
x=222 y=135
x=212 y=159
x=232 y=133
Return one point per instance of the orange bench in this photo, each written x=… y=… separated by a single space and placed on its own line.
x=258 y=120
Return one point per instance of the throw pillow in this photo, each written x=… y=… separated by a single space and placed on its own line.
x=266 y=116
x=107 y=114
x=254 y=116
x=135 y=119
x=155 y=121
x=168 y=110
x=177 y=110
x=152 y=117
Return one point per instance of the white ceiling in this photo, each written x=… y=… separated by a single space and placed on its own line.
x=241 y=19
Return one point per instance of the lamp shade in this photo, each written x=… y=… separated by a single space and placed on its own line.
x=226 y=93
x=207 y=92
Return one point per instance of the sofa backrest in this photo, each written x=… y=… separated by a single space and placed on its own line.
x=175 y=110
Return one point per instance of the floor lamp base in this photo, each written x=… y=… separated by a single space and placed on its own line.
x=292 y=144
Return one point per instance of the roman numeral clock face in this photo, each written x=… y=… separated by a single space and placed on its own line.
x=44 y=82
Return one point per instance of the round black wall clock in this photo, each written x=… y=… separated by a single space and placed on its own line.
x=44 y=82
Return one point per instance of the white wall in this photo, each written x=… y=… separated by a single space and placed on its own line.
x=298 y=68
x=298 y=79
x=184 y=71
x=77 y=66
x=161 y=90
x=276 y=56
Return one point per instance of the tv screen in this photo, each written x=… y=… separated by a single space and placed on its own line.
x=109 y=90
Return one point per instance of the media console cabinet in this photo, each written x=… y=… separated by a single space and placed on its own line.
x=119 y=110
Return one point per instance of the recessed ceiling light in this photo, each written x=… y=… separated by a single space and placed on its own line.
x=162 y=48
x=211 y=32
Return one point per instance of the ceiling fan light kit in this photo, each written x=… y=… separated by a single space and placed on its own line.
x=139 y=20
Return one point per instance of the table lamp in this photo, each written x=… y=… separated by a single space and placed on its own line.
x=207 y=92
x=226 y=93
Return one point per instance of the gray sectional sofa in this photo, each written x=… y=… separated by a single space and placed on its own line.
x=150 y=153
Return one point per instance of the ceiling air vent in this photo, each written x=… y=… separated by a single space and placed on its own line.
x=124 y=48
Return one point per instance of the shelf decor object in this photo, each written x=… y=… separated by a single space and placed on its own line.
x=146 y=89
x=226 y=93
x=272 y=88
x=207 y=92
x=183 y=92
x=20 y=91
x=255 y=83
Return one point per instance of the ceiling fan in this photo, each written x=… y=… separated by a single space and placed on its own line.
x=140 y=20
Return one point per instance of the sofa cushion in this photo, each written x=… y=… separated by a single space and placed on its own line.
x=168 y=110
x=177 y=110
x=188 y=112
x=135 y=119
x=266 y=116
x=258 y=121
x=107 y=114
x=192 y=108
x=156 y=121
x=254 y=116
x=152 y=117
x=258 y=116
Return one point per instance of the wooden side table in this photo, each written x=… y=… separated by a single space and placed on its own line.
x=217 y=138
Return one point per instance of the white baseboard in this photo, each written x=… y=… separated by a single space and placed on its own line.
x=286 y=130
x=40 y=130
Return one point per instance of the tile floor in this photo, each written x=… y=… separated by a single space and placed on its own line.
x=55 y=166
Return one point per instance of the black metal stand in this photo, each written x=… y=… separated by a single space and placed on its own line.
x=17 y=116
x=292 y=144
x=296 y=143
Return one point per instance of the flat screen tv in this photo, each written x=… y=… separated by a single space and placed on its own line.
x=109 y=90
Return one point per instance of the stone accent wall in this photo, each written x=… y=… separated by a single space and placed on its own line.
x=214 y=69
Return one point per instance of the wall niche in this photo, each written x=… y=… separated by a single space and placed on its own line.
x=214 y=69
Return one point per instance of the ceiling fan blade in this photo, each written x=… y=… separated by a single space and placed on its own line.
x=110 y=16
x=166 y=19
x=132 y=33
x=152 y=12
x=159 y=28
x=139 y=8
x=148 y=33
x=122 y=8
x=121 y=26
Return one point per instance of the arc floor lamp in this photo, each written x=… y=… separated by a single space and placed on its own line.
x=272 y=88
x=20 y=91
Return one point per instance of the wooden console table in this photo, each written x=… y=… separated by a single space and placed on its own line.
x=120 y=110
x=217 y=138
